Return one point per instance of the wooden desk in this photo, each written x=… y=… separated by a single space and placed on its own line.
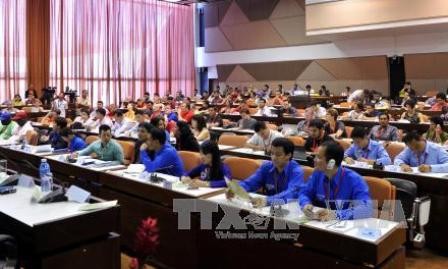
x=436 y=187
x=58 y=235
x=340 y=249
x=422 y=127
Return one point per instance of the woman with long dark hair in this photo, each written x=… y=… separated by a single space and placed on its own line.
x=212 y=172
x=199 y=126
x=185 y=139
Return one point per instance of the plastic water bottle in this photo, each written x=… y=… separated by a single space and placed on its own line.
x=45 y=176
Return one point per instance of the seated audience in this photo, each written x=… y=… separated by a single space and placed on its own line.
x=55 y=137
x=139 y=119
x=263 y=110
x=74 y=142
x=365 y=149
x=333 y=126
x=370 y=112
x=338 y=192
x=50 y=118
x=323 y=91
x=357 y=112
x=99 y=119
x=411 y=114
x=17 y=101
x=278 y=99
x=84 y=117
x=435 y=132
x=211 y=172
x=130 y=114
x=427 y=156
x=7 y=125
x=106 y=148
x=83 y=101
x=185 y=139
x=303 y=126
x=384 y=131
x=263 y=137
x=185 y=113
x=440 y=102
x=143 y=132
x=199 y=128
x=165 y=159
x=281 y=178
x=319 y=111
x=289 y=109
x=22 y=128
x=214 y=119
x=99 y=105
x=121 y=125
x=32 y=100
x=159 y=122
x=246 y=121
x=317 y=135
x=215 y=98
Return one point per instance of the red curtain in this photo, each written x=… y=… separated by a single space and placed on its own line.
x=118 y=49
x=13 y=57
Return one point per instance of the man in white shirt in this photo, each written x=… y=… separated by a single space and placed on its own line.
x=61 y=104
x=100 y=119
x=263 y=110
x=139 y=119
x=99 y=105
x=262 y=138
x=83 y=101
x=121 y=125
x=358 y=96
x=21 y=129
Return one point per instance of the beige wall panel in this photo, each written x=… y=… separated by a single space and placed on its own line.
x=351 y=13
x=315 y=72
x=427 y=66
x=215 y=40
x=361 y=68
x=287 y=8
x=292 y=30
x=258 y=34
x=240 y=75
x=234 y=15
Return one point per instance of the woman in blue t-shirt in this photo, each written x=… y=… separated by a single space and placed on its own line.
x=212 y=172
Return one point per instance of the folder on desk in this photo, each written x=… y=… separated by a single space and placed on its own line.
x=238 y=190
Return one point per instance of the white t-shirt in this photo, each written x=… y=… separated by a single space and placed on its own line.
x=62 y=105
x=257 y=140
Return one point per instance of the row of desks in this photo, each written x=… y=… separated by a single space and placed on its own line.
x=435 y=185
x=406 y=126
x=198 y=248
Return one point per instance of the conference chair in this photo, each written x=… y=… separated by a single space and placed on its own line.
x=241 y=168
x=343 y=143
x=190 y=159
x=416 y=210
x=348 y=131
x=32 y=137
x=394 y=148
x=91 y=138
x=128 y=151
x=307 y=171
x=232 y=140
x=272 y=126
x=8 y=252
x=381 y=191
x=297 y=140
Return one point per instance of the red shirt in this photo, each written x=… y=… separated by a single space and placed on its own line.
x=187 y=115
